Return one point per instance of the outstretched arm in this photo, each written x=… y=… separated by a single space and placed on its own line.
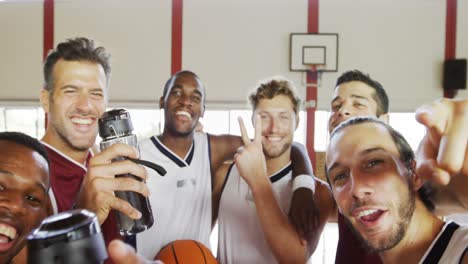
x=218 y=186
x=223 y=147
x=442 y=155
x=279 y=233
x=303 y=213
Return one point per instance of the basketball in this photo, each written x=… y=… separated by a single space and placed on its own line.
x=185 y=252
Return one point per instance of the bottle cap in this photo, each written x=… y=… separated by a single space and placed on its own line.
x=114 y=123
x=71 y=237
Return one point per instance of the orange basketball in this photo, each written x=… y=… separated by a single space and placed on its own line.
x=185 y=252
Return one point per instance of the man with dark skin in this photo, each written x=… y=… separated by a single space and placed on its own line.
x=24 y=183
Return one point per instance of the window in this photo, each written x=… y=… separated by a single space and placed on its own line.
x=406 y=124
x=146 y=122
x=29 y=120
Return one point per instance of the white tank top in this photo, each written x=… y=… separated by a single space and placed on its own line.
x=241 y=238
x=181 y=200
x=449 y=246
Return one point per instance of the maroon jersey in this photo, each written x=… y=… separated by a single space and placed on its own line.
x=66 y=176
x=349 y=248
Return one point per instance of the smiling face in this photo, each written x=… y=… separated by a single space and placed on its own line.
x=351 y=99
x=77 y=100
x=183 y=104
x=371 y=185
x=278 y=124
x=24 y=178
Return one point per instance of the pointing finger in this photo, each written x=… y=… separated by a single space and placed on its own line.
x=433 y=116
x=454 y=141
x=244 y=135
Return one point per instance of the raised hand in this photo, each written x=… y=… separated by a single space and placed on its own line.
x=443 y=153
x=99 y=184
x=249 y=158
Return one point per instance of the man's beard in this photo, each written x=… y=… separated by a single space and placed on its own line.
x=71 y=145
x=405 y=213
x=276 y=152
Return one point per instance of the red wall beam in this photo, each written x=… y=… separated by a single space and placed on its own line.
x=48 y=27
x=451 y=38
x=176 y=51
x=48 y=31
x=311 y=80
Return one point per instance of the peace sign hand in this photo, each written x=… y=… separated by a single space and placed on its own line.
x=249 y=158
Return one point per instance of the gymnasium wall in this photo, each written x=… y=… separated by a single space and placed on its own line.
x=233 y=44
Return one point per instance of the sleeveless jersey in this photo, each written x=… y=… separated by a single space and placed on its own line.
x=241 y=238
x=449 y=246
x=181 y=200
x=66 y=176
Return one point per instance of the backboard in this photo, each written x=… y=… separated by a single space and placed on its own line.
x=314 y=52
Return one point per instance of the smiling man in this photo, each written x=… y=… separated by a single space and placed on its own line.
x=356 y=94
x=371 y=169
x=181 y=200
x=24 y=182
x=253 y=222
x=76 y=76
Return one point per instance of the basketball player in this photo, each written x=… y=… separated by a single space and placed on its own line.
x=372 y=171
x=24 y=183
x=256 y=196
x=74 y=96
x=76 y=76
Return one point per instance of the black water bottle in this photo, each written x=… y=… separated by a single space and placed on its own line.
x=71 y=237
x=115 y=126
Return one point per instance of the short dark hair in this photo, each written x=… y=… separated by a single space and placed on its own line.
x=426 y=192
x=169 y=82
x=273 y=87
x=25 y=140
x=76 y=49
x=380 y=95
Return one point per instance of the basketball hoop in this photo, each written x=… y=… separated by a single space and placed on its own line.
x=314 y=53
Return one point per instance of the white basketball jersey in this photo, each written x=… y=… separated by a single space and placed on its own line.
x=449 y=246
x=181 y=200
x=241 y=238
